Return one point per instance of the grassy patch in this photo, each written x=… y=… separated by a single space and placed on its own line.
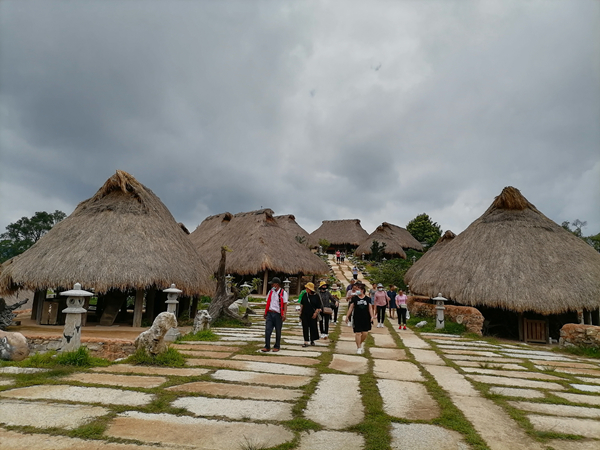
x=78 y=358
x=203 y=335
x=228 y=322
x=586 y=352
x=170 y=358
x=449 y=327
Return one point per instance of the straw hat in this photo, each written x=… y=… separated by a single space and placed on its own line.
x=310 y=287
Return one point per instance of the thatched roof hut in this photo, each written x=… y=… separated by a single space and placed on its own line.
x=259 y=244
x=396 y=239
x=514 y=258
x=288 y=222
x=209 y=227
x=122 y=238
x=341 y=233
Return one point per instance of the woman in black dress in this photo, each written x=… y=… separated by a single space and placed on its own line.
x=362 y=318
x=310 y=307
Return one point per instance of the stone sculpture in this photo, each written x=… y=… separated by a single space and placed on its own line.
x=13 y=346
x=201 y=321
x=6 y=312
x=153 y=340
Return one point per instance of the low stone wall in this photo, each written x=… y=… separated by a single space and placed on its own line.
x=577 y=335
x=110 y=349
x=468 y=316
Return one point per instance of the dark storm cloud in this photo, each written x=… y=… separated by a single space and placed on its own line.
x=378 y=110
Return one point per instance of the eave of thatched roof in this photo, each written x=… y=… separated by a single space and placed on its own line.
x=288 y=222
x=512 y=257
x=396 y=240
x=258 y=243
x=341 y=232
x=122 y=238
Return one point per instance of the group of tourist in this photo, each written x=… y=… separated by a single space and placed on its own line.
x=319 y=307
x=340 y=257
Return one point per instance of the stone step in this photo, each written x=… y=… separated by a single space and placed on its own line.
x=335 y=403
x=238 y=391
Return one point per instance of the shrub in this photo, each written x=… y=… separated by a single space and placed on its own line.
x=170 y=358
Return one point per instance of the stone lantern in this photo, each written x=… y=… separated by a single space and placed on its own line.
x=286 y=285
x=245 y=301
x=439 y=306
x=71 y=339
x=228 y=282
x=172 y=294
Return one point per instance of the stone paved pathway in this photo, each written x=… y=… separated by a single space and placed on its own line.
x=230 y=396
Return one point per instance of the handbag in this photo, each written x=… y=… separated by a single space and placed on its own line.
x=327 y=310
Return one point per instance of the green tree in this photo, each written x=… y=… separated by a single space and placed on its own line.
x=377 y=250
x=26 y=231
x=577 y=225
x=424 y=230
x=393 y=270
x=594 y=241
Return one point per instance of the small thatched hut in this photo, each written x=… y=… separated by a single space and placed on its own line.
x=288 y=222
x=259 y=245
x=123 y=239
x=395 y=238
x=342 y=234
x=515 y=259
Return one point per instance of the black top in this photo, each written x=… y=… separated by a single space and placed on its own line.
x=310 y=303
x=327 y=299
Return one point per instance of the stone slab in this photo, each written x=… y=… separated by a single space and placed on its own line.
x=19 y=370
x=534 y=356
x=12 y=440
x=47 y=415
x=516 y=382
x=575 y=371
x=579 y=398
x=568 y=425
x=470 y=353
x=417 y=436
x=494 y=425
x=388 y=353
x=427 y=357
x=134 y=381
x=273 y=368
x=558 y=410
x=304 y=353
x=80 y=394
x=516 y=392
x=451 y=381
x=218 y=343
x=237 y=340
x=261 y=378
x=586 y=387
x=151 y=370
x=205 y=354
x=396 y=370
x=384 y=340
x=513 y=374
x=346 y=347
x=560 y=444
x=488 y=365
x=411 y=340
x=355 y=365
x=6 y=382
x=566 y=364
x=275 y=358
x=331 y=440
x=236 y=409
x=489 y=359
x=589 y=380
x=319 y=343
x=238 y=390
x=197 y=433
x=336 y=403
x=407 y=400
x=201 y=346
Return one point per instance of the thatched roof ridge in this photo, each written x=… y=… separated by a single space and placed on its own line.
x=209 y=227
x=288 y=222
x=512 y=257
x=383 y=235
x=341 y=232
x=259 y=243
x=122 y=238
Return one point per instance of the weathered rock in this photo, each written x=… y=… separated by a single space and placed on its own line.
x=201 y=321
x=153 y=340
x=6 y=312
x=13 y=346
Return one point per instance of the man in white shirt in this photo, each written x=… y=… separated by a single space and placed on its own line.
x=275 y=311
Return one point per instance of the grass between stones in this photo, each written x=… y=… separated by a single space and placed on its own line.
x=170 y=358
x=449 y=327
x=203 y=335
x=81 y=358
x=579 y=351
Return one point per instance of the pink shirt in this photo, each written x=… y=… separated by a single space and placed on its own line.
x=381 y=298
x=401 y=299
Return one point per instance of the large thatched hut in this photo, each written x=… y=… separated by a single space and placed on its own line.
x=395 y=238
x=123 y=241
x=288 y=222
x=259 y=247
x=209 y=227
x=522 y=270
x=342 y=234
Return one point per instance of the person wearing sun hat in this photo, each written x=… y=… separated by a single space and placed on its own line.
x=275 y=312
x=310 y=307
x=327 y=301
x=337 y=296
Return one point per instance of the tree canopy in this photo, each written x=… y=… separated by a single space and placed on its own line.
x=26 y=231
x=576 y=226
x=424 y=230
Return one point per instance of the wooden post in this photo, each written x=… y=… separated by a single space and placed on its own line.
x=39 y=299
x=299 y=287
x=138 y=307
x=265 y=282
x=149 y=314
x=521 y=333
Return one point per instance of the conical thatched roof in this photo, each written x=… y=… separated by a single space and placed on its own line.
x=341 y=232
x=422 y=264
x=396 y=240
x=259 y=243
x=123 y=237
x=512 y=257
x=209 y=227
x=288 y=222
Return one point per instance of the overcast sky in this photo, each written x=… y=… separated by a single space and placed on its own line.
x=377 y=110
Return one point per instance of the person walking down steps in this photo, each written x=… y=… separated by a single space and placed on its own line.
x=402 y=308
x=275 y=312
x=381 y=302
x=362 y=317
x=310 y=307
x=327 y=303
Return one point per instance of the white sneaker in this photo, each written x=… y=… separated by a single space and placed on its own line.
x=360 y=351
